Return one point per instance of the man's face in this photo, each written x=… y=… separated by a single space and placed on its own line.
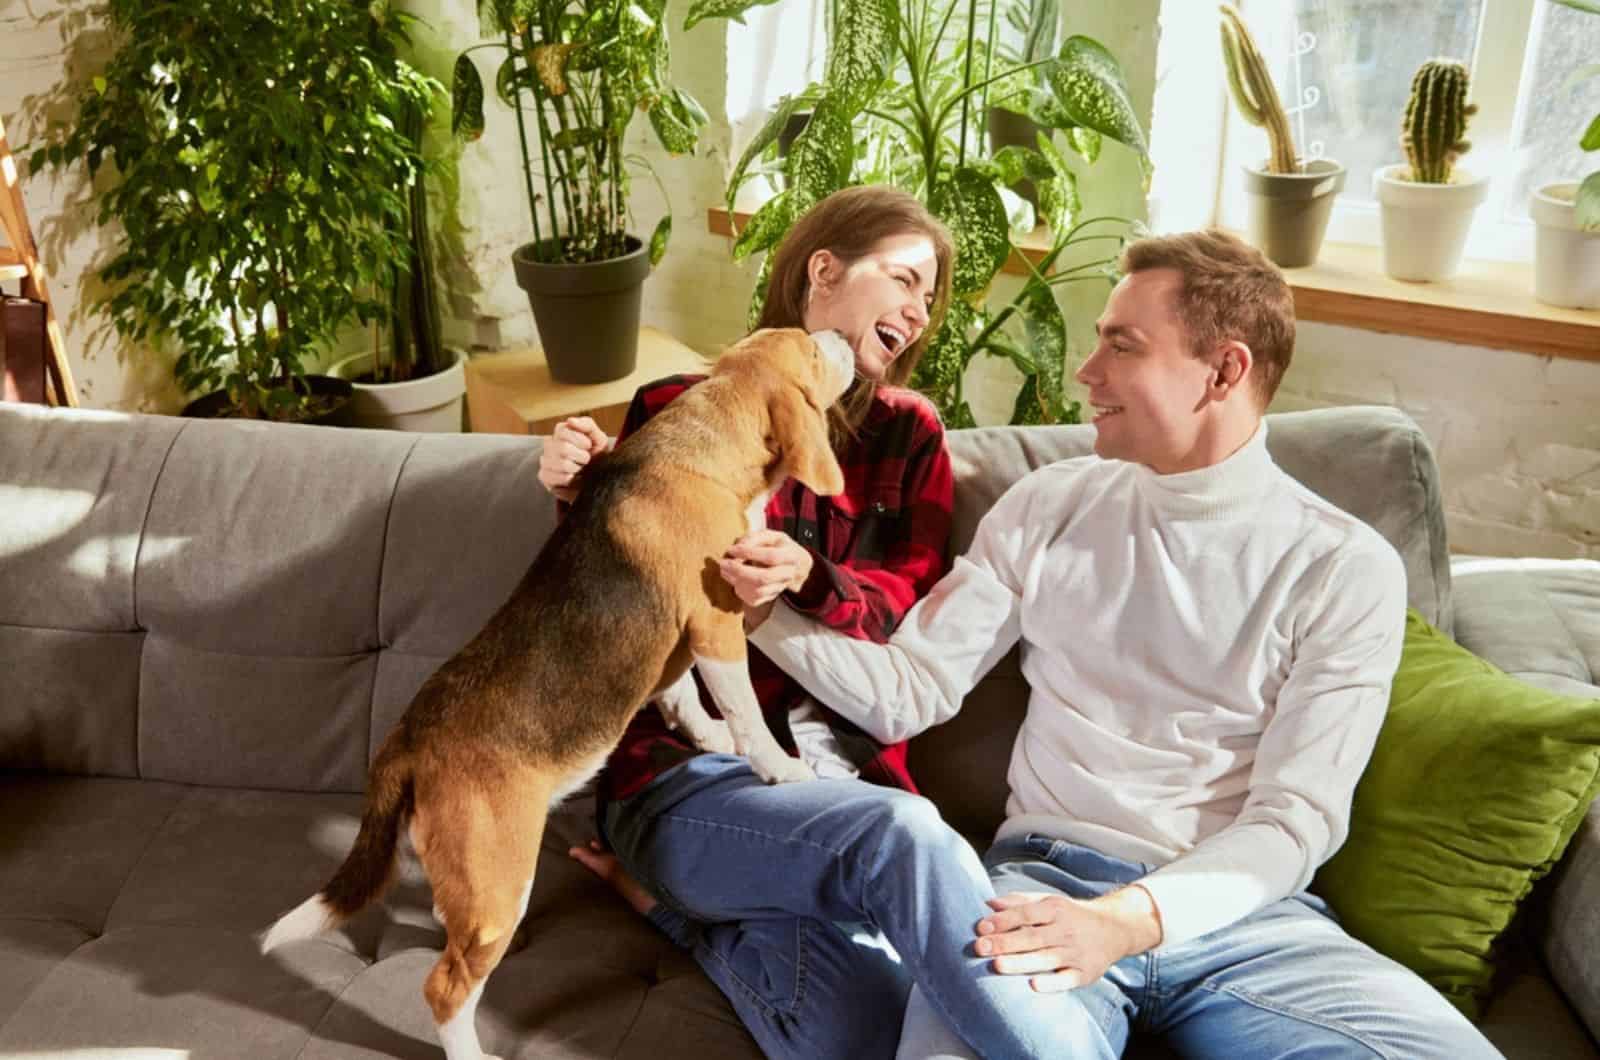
x=1148 y=390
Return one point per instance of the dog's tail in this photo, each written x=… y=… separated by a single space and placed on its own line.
x=369 y=866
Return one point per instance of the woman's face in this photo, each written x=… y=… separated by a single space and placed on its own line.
x=879 y=302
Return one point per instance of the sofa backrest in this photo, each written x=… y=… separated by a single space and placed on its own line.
x=254 y=605
x=242 y=604
x=1371 y=461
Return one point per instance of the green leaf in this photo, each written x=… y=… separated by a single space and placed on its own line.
x=507 y=80
x=1028 y=410
x=970 y=207
x=821 y=157
x=765 y=137
x=861 y=51
x=466 y=100
x=701 y=10
x=1015 y=163
x=675 y=123
x=1589 y=202
x=100 y=85
x=961 y=418
x=568 y=139
x=765 y=228
x=1046 y=332
x=1089 y=84
x=658 y=239
x=1591 y=136
x=947 y=355
x=327 y=123
x=1084 y=141
x=1581 y=5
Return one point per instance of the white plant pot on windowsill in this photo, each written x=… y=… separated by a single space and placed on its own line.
x=430 y=404
x=1425 y=225
x=1566 y=261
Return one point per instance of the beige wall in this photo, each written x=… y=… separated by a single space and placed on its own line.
x=1516 y=434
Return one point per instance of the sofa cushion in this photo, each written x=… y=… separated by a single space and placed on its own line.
x=1475 y=787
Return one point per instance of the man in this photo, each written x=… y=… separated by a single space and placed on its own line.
x=1209 y=647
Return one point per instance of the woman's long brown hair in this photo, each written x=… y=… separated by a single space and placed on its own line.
x=849 y=224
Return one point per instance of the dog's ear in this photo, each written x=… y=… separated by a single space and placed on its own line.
x=800 y=433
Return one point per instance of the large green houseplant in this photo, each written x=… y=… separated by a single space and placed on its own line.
x=256 y=184
x=901 y=101
x=575 y=72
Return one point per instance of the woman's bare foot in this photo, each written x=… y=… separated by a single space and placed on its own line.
x=605 y=865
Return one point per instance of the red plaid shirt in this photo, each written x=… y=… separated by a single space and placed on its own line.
x=876 y=549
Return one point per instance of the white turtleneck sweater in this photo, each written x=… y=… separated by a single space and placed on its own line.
x=1209 y=655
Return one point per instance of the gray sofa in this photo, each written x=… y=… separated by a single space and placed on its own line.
x=207 y=627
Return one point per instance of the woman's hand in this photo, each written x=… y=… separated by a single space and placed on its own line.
x=761 y=565
x=574 y=443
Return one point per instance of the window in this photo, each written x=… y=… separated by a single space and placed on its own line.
x=778 y=51
x=1343 y=69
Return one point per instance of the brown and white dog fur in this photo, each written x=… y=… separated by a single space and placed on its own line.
x=611 y=614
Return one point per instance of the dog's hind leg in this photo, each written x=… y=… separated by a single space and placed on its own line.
x=481 y=864
x=718 y=645
x=680 y=705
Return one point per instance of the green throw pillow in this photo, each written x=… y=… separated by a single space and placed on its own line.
x=1476 y=785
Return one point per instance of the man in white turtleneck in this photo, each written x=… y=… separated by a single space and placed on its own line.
x=1209 y=647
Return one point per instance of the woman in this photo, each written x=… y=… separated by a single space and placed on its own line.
x=763 y=883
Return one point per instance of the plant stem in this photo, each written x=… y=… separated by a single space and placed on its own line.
x=522 y=137
x=966 y=79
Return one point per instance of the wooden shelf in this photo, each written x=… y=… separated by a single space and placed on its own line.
x=1485 y=304
x=513 y=393
x=11 y=265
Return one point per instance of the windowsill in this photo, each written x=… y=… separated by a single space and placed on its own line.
x=1486 y=304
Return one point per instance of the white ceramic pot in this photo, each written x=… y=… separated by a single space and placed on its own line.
x=1425 y=225
x=1566 y=259
x=431 y=404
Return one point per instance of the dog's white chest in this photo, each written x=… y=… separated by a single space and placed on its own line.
x=755 y=516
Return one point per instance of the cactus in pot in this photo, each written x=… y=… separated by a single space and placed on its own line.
x=1253 y=91
x=1433 y=132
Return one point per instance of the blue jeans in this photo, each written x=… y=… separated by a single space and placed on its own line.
x=815 y=906
x=1286 y=981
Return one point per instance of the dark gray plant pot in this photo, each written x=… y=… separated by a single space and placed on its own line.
x=1010 y=129
x=587 y=315
x=1288 y=213
x=791 y=129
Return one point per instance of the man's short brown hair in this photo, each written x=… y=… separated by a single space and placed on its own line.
x=1230 y=292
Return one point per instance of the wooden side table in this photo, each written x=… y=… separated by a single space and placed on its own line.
x=512 y=392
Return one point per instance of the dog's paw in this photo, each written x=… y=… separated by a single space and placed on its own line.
x=781 y=770
x=716 y=739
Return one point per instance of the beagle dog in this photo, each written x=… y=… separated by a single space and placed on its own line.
x=522 y=716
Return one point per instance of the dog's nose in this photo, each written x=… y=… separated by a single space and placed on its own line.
x=839 y=356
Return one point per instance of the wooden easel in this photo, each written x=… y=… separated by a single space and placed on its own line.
x=19 y=260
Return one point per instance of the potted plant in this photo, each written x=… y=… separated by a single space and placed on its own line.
x=1289 y=201
x=409 y=379
x=1427 y=201
x=578 y=73
x=255 y=169
x=1010 y=106
x=1566 y=215
x=900 y=102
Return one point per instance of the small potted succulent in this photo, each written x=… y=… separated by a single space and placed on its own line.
x=1566 y=215
x=1427 y=202
x=1290 y=201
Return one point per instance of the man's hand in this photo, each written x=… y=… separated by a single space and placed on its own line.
x=761 y=565
x=1063 y=943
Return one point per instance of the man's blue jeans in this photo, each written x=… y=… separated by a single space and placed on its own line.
x=1287 y=981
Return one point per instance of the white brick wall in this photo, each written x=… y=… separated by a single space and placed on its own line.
x=1517 y=436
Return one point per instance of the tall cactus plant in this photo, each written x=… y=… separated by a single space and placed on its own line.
x=1433 y=131
x=1253 y=90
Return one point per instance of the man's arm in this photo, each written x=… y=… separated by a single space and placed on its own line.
x=1310 y=756
x=940 y=650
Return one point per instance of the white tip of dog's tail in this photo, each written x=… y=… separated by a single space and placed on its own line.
x=308 y=919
